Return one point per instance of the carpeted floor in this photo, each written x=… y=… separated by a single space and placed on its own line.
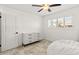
x=38 y=48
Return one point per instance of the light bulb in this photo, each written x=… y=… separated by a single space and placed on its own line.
x=46 y=6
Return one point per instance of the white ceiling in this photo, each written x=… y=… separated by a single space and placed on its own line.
x=30 y=8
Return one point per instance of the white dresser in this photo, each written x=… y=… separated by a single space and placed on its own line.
x=30 y=38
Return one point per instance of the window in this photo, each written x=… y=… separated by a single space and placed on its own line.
x=49 y=23
x=61 y=22
x=54 y=21
x=68 y=21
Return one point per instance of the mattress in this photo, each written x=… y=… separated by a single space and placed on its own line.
x=63 y=47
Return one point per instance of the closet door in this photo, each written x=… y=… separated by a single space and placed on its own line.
x=10 y=31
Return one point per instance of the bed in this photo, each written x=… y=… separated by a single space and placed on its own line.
x=63 y=47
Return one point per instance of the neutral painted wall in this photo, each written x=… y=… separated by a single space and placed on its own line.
x=25 y=21
x=62 y=33
x=28 y=23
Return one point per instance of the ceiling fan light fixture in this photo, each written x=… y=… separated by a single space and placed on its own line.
x=46 y=6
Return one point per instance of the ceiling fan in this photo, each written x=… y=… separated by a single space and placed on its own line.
x=46 y=7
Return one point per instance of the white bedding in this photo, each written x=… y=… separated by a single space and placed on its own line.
x=63 y=47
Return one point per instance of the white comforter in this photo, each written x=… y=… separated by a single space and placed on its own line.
x=63 y=47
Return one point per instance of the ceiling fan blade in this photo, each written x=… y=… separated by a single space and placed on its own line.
x=54 y=5
x=40 y=10
x=37 y=5
x=49 y=10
